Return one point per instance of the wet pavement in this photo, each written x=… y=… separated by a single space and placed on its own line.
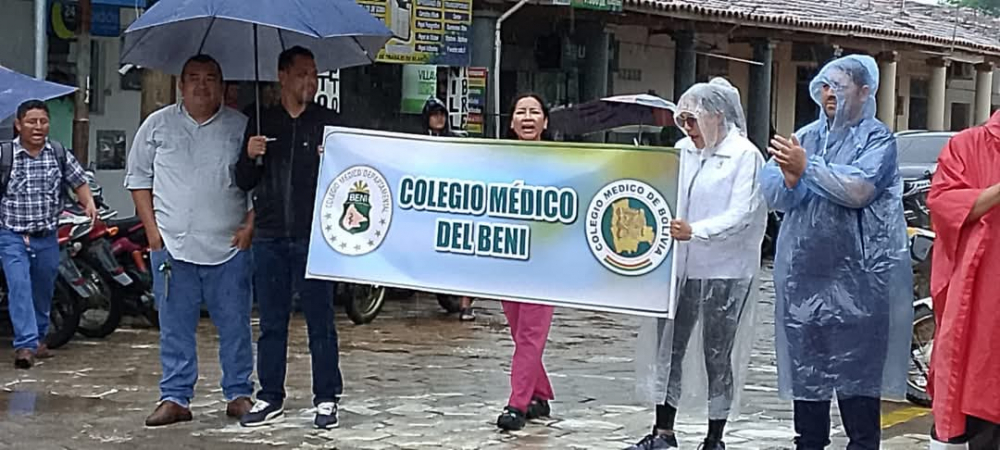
x=415 y=378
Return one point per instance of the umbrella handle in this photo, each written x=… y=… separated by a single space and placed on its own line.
x=256 y=88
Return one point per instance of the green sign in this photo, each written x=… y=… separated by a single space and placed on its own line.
x=419 y=84
x=599 y=5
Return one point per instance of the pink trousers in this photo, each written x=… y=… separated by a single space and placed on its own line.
x=529 y=326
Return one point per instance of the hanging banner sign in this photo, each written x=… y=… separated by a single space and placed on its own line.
x=433 y=32
x=477 y=101
x=328 y=90
x=458 y=97
x=584 y=226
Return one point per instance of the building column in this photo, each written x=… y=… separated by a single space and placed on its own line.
x=886 y=100
x=984 y=92
x=936 y=98
x=759 y=111
x=685 y=63
x=596 y=42
x=484 y=24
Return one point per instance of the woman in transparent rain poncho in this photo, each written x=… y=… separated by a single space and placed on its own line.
x=719 y=230
x=843 y=309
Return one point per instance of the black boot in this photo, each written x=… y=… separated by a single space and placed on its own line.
x=512 y=419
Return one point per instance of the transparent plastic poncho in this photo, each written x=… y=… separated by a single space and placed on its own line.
x=697 y=361
x=843 y=312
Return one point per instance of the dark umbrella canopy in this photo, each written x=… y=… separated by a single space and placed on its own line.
x=17 y=88
x=340 y=33
x=610 y=113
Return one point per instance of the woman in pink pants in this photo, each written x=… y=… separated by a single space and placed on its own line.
x=530 y=390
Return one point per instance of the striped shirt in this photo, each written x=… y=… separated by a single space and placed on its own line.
x=34 y=195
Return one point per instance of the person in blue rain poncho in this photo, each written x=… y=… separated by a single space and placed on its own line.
x=841 y=273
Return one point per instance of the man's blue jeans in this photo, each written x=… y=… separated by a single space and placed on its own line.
x=31 y=268
x=180 y=288
x=280 y=272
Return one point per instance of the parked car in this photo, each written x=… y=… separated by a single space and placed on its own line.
x=917 y=151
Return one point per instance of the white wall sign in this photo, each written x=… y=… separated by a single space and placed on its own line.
x=458 y=97
x=328 y=94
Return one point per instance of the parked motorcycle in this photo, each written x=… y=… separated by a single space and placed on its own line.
x=103 y=312
x=131 y=249
x=363 y=303
x=922 y=343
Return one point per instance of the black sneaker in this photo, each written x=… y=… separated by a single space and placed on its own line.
x=655 y=442
x=537 y=409
x=262 y=413
x=512 y=419
x=467 y=315
x=711 y=444
x=327 y=416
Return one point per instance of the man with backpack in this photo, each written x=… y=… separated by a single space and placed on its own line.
x=34 y=171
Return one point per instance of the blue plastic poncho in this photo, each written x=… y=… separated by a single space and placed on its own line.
x=843 y=313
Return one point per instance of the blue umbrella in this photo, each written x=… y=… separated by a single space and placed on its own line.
x=16 y=88
x=247 y=36
x=237 y=33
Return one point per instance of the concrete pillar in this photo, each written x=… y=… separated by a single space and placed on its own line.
x=787 y=96
x=984 y=92
x=596 y=41
x=886 y=100
x=41 y=40
x=685 y=62
x=759 y=111
x=484 y=24
x=936 y=97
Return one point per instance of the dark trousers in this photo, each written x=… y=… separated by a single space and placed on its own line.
x=280 y=267
x=861 y=416
x=720 y=304
x=979 y=434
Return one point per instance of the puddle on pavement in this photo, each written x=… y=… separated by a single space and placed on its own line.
x=26 y=403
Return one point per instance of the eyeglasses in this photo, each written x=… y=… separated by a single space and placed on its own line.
x=687 y=121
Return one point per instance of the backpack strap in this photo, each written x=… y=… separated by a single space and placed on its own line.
x=60 y=155
x=6 y=165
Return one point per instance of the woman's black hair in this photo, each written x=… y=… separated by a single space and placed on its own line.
x=546 y=136
x=435 y=106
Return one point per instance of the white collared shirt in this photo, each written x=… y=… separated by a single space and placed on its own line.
x=190 y=168
x=720 y=198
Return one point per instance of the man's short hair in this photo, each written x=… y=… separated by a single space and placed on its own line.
x=202 y=59
x=23 y=108
x=287 y=57
x=856 y=72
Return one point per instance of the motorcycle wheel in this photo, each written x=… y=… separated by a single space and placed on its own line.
x=64 y=317
x=103 y=312
x=150 y=312
x=364 y=302
x=920 y=357
x=451 y=303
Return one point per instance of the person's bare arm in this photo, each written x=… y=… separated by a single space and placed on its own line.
x=986 y=201
x=143 y=199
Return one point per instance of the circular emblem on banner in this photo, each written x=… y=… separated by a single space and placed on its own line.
x=356 y=211
x=628 y=227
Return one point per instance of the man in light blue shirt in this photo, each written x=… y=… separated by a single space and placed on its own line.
x=181 y=174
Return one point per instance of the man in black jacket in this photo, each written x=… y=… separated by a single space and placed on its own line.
x=280 y=165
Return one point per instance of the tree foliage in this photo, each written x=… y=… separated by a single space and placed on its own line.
x=988 y=6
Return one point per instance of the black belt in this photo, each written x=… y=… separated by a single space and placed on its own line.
x=38 y=234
